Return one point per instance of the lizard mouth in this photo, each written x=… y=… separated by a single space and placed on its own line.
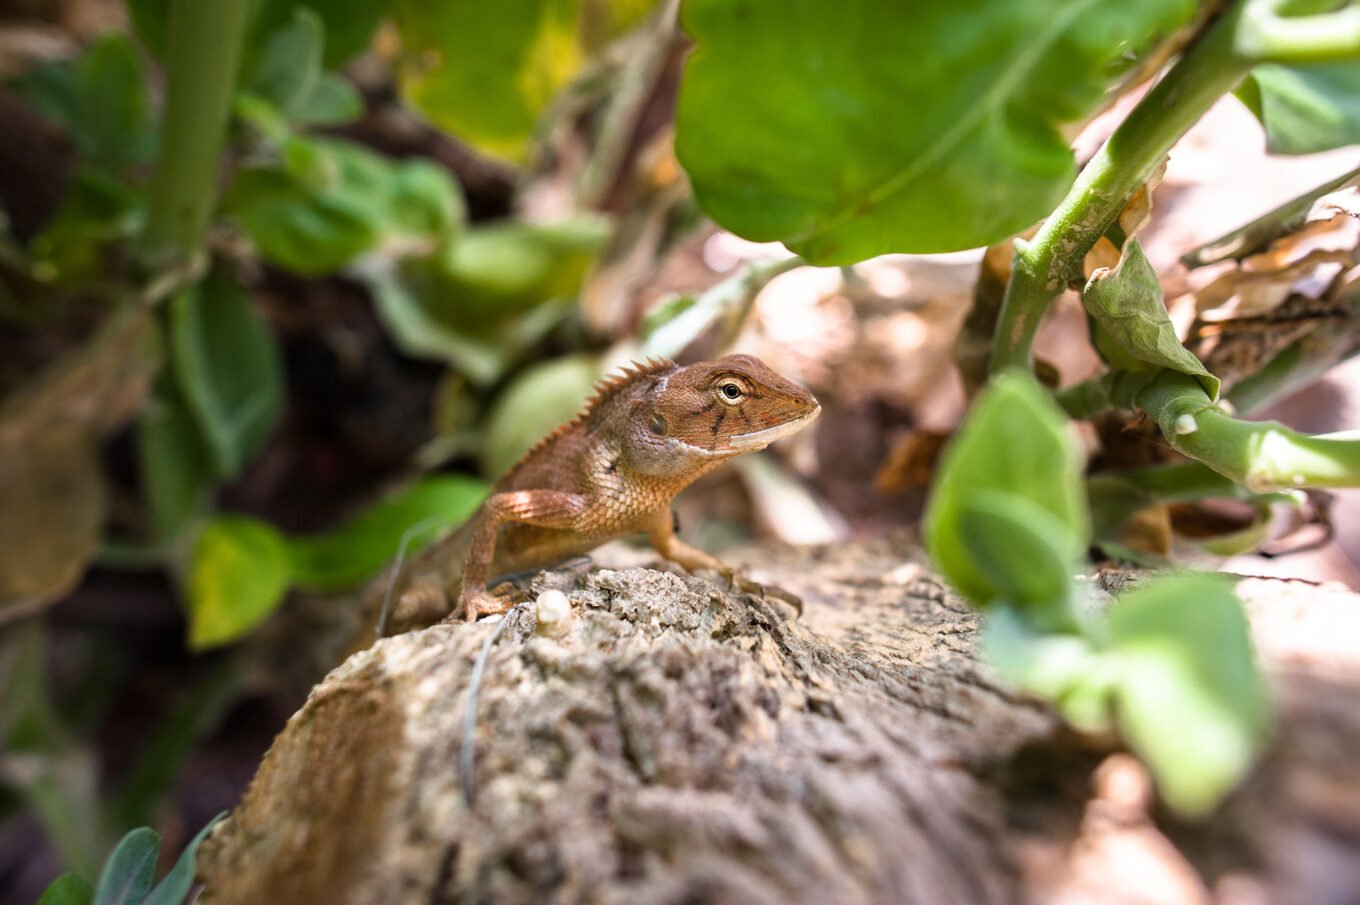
x=763 y=438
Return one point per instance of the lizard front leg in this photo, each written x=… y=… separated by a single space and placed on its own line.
x=544 y=508
x=665 y=541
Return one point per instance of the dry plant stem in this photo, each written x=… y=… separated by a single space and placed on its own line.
x=1209 y=68
x=201 y=65
x=1261 y=455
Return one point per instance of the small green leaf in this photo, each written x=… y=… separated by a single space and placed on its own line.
x=1021 y=550
x=68 y=889
x=1126 y=304
x=238 y=574
x=175 y=886
x=130 y=870
x=861 y=127
x=489 y=295
x=538 y=400
x=358 y=549
x=332 y=101
x=1307 y=108
x=229 y=369
x=289 y=67
x=1014 y=440
x=349 y=24
x=101 y=99
x=1189 y=697
x=1053 y=666
x=487 y=72
x=425 y=200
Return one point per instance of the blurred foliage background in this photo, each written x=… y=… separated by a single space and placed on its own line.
x=435 y=226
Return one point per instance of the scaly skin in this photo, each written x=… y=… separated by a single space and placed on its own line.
x=610 y=472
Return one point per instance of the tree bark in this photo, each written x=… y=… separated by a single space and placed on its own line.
x=678 y=743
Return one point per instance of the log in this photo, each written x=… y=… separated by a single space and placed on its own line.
x=674 y=742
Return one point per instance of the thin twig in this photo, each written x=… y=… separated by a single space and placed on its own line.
x=467 y=754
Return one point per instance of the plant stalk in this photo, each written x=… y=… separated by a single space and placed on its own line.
x=1209 y=68
x=201 y=68
x=1261 y=455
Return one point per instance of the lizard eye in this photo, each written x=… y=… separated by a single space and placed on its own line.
x=657 y=425
x=730 y=392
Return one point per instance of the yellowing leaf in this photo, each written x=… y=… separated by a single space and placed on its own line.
x=238 y=575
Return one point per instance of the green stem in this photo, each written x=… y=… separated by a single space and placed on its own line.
x=200 y=69
x=1269 y=37
x=1261 y=455
x=1209 y=68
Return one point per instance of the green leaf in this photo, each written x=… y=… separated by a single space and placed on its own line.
x=1189 y=698
x=289 y=67
x=1126 y=305
x=1015 y=440
x=68 y=889
x=1019 y=548
x=175 y=886
x=486 y=72
x=228 y=367
x=406 y=301
x=489 y=295
x=100 y=99
x=360 y=548
x=238 y=575
x=538 y=400
x=332 y=101
x=349 y=24
x=176 y=465
x=1059 y=667
x=851 y=129
x=130 y=870
x=1307 y=108
x=327 y=202
x=311 y=228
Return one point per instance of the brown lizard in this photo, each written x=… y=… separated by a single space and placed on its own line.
x=610 y=472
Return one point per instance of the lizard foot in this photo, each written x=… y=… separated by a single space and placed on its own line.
x=472 y=604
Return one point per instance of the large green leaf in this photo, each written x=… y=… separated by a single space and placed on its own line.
x=238 y=575
x=855 y=128
x=1133 y=329
x=358 y=549
x=1014 y=442
x=1188 y=696
x=130 y=870
x=1016 y=546
x=537 y=401
x=1305 y=109
x=228 y=368
x=486 y=71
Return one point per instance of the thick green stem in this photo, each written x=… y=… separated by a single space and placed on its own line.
x=1209 y=68
x=204 y=54
x=1261 y=455
x=1270 y=37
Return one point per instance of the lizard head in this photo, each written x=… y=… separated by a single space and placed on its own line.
x=719 y=409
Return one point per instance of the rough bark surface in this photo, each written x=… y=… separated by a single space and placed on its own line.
x=682 y=744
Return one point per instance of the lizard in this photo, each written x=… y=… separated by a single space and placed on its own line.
x=611 y=471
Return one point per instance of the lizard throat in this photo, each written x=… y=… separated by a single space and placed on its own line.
x=763 y=438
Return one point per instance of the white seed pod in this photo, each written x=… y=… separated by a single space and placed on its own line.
x=554 y=615
x=1186 y=424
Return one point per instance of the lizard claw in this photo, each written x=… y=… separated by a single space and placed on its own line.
x=764 y=591
x=473 y=604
